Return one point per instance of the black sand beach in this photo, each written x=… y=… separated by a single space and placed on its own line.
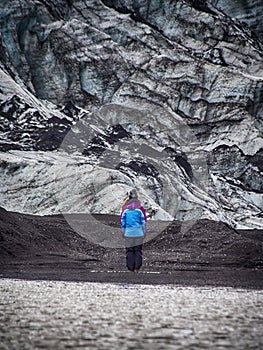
x=199 y=253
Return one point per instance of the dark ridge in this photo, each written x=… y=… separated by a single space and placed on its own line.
x=256 y=159
x=239 y=169
x=70 y=110
x=243 y=186
x=201 y=5
x=14 y=104
x=99 y=143
x=140 y=168
x=117 y=7
x=223 y=148
x=48 y=137
x=201 y=252
x=181 y=160
x=51 y=138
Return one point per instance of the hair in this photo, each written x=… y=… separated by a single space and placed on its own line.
x=126 y=200
x=133 y=194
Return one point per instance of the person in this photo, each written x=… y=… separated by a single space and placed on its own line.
x=133 y=226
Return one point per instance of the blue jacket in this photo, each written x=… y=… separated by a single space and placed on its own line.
x=133 y=223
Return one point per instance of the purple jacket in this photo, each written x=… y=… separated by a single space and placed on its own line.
x=134 y=204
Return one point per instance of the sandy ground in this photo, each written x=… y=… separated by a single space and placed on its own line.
x=198 y=253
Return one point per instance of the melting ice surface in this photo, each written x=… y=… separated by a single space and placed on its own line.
x=59 y=315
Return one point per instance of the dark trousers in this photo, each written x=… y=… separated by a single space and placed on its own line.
x=133 y=252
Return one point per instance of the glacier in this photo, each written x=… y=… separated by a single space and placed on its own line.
x=99 y=97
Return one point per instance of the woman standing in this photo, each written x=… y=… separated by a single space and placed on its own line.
x=133 y=226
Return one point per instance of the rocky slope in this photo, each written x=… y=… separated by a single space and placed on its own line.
x=97 y=97
x=46 y=247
